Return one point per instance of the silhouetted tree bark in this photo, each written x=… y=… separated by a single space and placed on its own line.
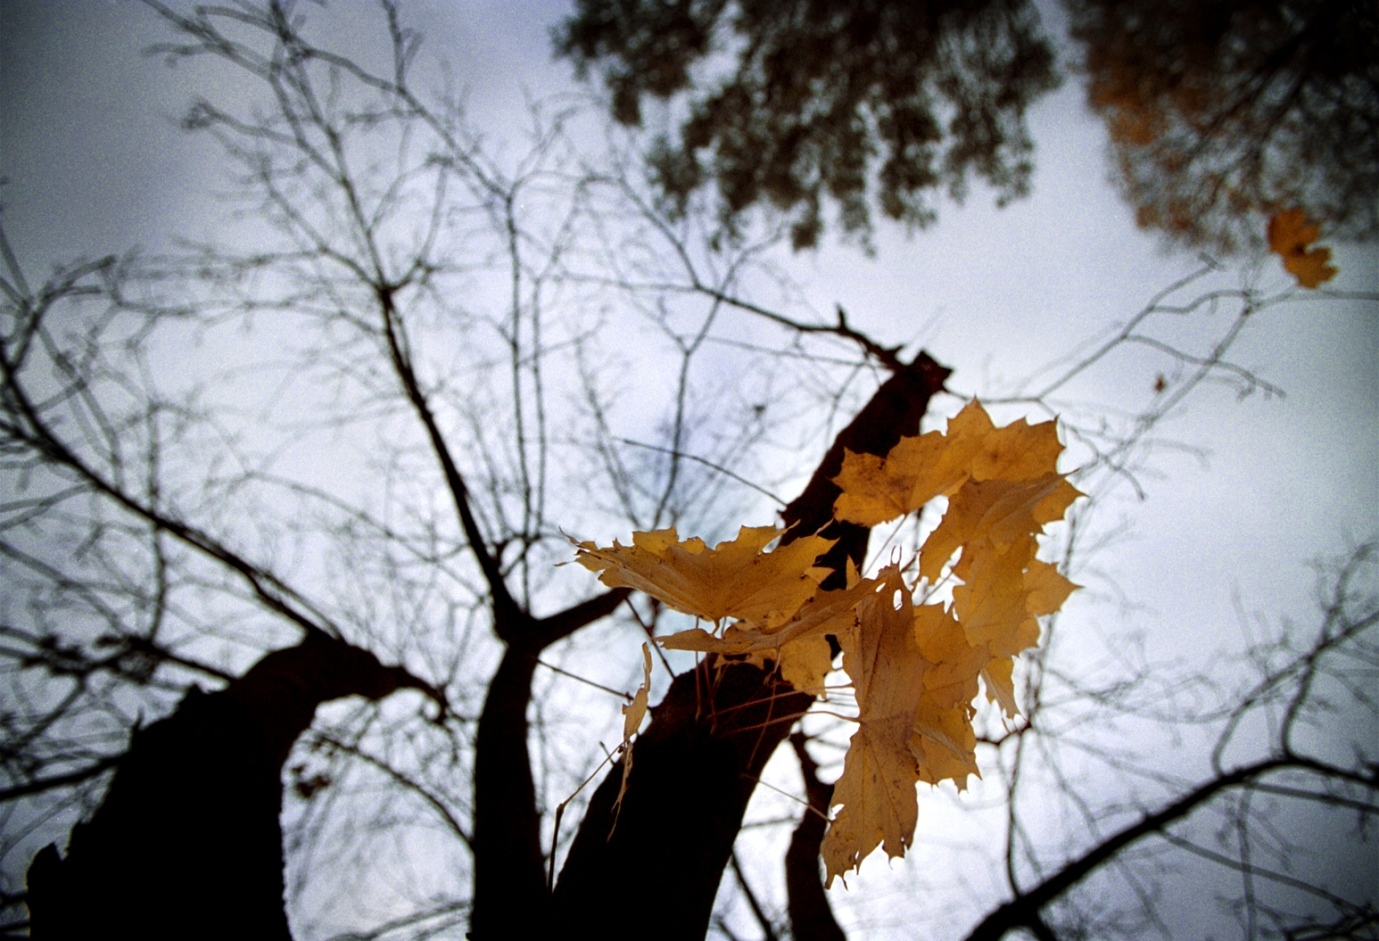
x=188 y=841
x=811 y=917
x=511 y=895
x=659 y=858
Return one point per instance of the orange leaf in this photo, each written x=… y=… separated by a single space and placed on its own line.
x=632 y=715
x=805 y=663
x=950 y=673
x=734 y=579
x=876 y=490
x=943 y=743
x=1047 y=588
x=1002 y=511
x=991 y=604
x=877 y=787
x=1290 y=234
x=999 y=677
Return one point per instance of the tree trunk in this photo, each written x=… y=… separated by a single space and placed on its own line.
x=187 y=841
x=656 y=866
x=811 y=918
x=189 y=832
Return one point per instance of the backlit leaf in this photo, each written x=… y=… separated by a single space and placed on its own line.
x=1290 y=234
x=877 y=787
x=877 y=490
x=632 y=715
x=916 y=672
x=736 y=579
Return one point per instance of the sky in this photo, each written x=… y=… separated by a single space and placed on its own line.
x=94 y=164
x=1227 y=523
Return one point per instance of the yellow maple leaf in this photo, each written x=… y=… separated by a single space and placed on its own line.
x=999 y=677
x=1018 y=451
x=1002 y=511
x=805 y=663
x=998 y=605
x=943 y=742
x=1047 y=588
x=632 y=715
x=877 y=786
x=1044 y=590
x=918 y=469
x=877 y=490
x=1290 y=234
x=798 y=644
x=737 y=579
x=877 y=791
x=991 y=603
x=952 y=662
x=1003 y=594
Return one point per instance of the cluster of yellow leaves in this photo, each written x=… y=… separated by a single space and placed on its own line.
x=1290 y=234
x=915 y=669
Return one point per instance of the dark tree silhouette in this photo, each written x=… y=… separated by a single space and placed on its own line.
x=1222 y=113
x=188 y=834
x=811 y=917
x=698 y=762
x=826 y=101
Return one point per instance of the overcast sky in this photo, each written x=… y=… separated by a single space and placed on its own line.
x=94 y=163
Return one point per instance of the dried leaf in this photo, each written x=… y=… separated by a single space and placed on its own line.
x=805 y=663
x=1001 y=511
x=1047 y=588
x=877 y=786
x=992 y=603
x=915 y=671
x=737 y=579
x=632 y=715
x=877 y=490
x=635 y=711
x=943 y=743
x=999 y=677
x=1290 y=234
x=951 y=662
